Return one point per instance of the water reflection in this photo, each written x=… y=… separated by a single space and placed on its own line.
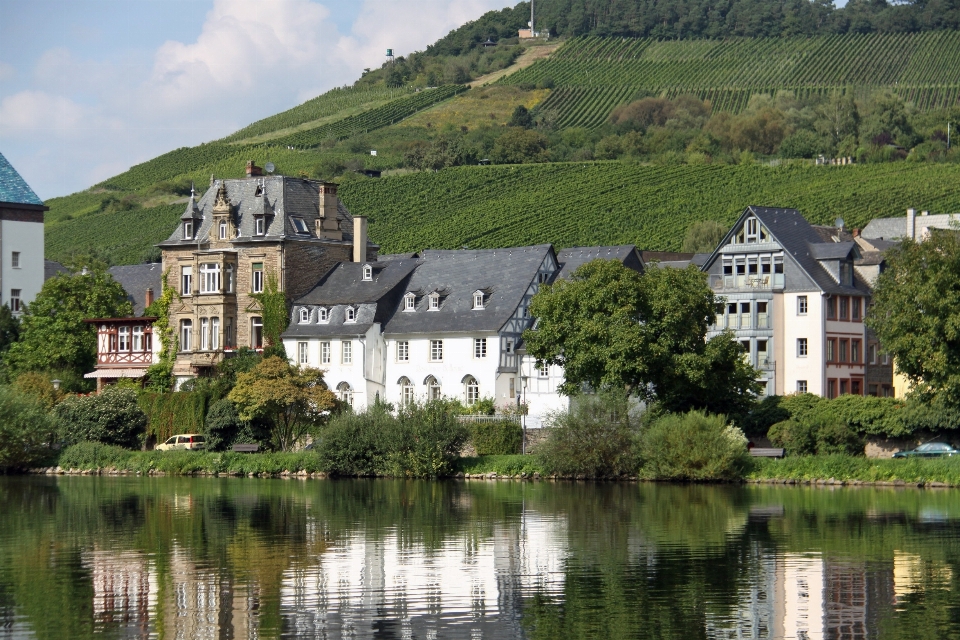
x=207 y=558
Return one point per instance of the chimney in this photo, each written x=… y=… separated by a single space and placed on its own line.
x=148 y=298
x=856 y=233
x=912 y=224
x=327 y=225
x=253 y=170
x=359 y=238
x=924 y=213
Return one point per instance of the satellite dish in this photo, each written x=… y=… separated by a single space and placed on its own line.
x=269 y=167
x=838 y=223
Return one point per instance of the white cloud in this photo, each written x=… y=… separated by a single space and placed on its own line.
x=252 y=58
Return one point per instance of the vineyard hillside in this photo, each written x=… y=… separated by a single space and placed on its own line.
x=567 y=204
x=593 y=75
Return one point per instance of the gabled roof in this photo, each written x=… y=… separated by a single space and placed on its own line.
x=136 y=279
x=280 y=198
x=834 y=250
x=802 y=242
x=573 y=257
x=52 y=268
x=13 y=188
x=366 y=315
x=504 y=275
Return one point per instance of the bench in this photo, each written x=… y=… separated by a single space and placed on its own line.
x=246 y=448
x=767 y=452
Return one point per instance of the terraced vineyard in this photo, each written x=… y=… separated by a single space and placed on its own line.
x=593 y=75
x=611 y=203
x=326 y=105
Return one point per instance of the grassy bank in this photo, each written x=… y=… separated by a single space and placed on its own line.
x=102 y=458
x=856 y=469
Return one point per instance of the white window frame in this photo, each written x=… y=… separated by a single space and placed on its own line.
x=803 y=348
x=409 y=302
x=803 y=306
x=407 y=391
x=478 y=300
x=215 y=333
x=188 y=230
x=300 y=225
x=186 y=280
x=15 y=259
x=325 y=352
x=222 y=228
x=304 y=315
x=403 y=351
x=367 y=273
x=123 y=339
x=471 y=391
x=543 y=370
x=256 y=278
x=346 y=352
x=210 y=278
x=345 y=393
x=303 y=352
x=433 y=389
x=350 y=315
x=186 y=335
x=479 y=348
x=436 y=351
x=138 y=341
x=509 y=347
x=256 y=322
x=433 y=302
x=802 y=386
x=323 y=315
x=230 y=281
x=204 y=334
x=260 y=226
x=16 y=304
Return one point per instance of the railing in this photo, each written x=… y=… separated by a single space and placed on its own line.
x=474 y=419
x=122 y=357
x=767 y=281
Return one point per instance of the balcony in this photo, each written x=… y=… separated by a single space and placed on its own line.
x=205 y=358
x=765 y=282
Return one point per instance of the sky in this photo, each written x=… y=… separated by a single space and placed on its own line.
x=89 y=88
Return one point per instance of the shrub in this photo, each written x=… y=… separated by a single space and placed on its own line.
x=798 y=438
x=426 y=441
x=351 y=444
x=111 y=417
x=92 y=455
x=40 y=387
x=26 y=432
x=765 y=414
x=596 y=438
x=496 y=438
x=836 y=436
x=693 y=446
x=222 y=425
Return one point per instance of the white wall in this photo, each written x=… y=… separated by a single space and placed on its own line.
x=27 y=238
x=358 y=374
x=458 y=362
x=541 y=393
x=810 y=327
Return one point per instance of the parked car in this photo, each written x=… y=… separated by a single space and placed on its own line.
x=191 y=441
x=929 y=450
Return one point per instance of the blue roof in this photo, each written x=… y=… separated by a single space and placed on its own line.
x=13 y=188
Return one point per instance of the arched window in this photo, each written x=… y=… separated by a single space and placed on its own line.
x=471 y=390
x=304 y=315
x=350 y=315
x=478 y=299
x=367 y=272
x=322 y=315
x=433 y=388
x=406 y=390
x=345 y=393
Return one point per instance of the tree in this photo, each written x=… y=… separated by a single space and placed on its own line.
x=610 y=327
x=518 y=146
x=521 y=118
x=9 y=328
x=25 y=430
x=53 y=334
x=703 y=237
x=916 y=314
x=293 y=399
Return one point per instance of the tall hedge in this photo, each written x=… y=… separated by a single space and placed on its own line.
x=174 y=412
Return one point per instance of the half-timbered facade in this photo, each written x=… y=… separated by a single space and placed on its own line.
x=231 y=243
x=125 y=348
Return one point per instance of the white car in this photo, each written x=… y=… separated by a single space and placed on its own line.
x=191 y=441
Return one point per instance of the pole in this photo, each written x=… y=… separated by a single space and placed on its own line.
x=948 y=135
x=533 y=28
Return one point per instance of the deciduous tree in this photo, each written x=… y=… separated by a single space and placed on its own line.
x=611 y=327
x=293 y=399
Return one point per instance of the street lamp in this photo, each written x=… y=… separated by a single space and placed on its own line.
x=56 y=385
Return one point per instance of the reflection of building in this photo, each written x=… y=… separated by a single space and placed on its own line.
x=467 y=583
x=124 y=591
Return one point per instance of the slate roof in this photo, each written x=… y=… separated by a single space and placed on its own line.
x=282 y=198
x=573 y=257
x=52 y=268
x=799 y=238
x=669 y=264
x=503 y=274
x=13 y=188
x=136 y=279
x=896 y=228
x=344 y=285
x=831 y=250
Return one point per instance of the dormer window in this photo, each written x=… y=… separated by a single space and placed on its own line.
x=223 y=230
x=188 y=230
x=410 y=302
x=367 y=272
x=478 y=300
x=260 y=226
x=304 y=316
x=433 y=302
x=300 y=225
x=323 y=315
x=350 y=315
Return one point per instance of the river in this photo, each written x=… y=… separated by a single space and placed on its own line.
x=129 y=557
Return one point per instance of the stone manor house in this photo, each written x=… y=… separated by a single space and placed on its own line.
x=450 y=323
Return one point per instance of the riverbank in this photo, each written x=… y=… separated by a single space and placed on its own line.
x=89 y=459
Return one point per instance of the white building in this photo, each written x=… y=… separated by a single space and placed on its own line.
x=435 y=324
x=789 y=292
x=21 y=240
